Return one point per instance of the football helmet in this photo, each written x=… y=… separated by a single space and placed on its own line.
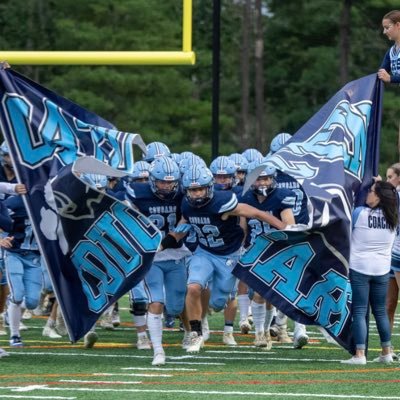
x=252 y=155
x=154 y=150
x=259 y=186
x=164 y=177
x=278 y=141
x=223 y=168
x=198 y=176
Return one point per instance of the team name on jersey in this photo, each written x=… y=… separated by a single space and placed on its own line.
x=377 y=222
x=162 y=209
x=288 y=185
x=199 y=220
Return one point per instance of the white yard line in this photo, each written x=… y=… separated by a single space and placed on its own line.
x=221 y=393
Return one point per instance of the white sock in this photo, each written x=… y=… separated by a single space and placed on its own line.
x=299 y=329
x=228 y=329
x=139 y=320
x=258 y=311
x=14 y=316
x=50 y=323
x=268 y=318
x=154 y=323
x=243 y=303
x=281 y=318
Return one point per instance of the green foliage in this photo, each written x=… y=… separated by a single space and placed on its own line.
x=173 y=104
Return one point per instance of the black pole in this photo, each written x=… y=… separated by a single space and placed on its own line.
x=215 y=78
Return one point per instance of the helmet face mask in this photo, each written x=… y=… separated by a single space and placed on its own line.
x=264 y=185
x=164 y=178
x=198 y=185
x=223 y=169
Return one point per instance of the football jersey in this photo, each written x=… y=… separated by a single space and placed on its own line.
x=300 y=211
x=217 y=236
x=391 y=63
x=277 y=201
x=19 y=224
x=165 y=214
x=371 y=242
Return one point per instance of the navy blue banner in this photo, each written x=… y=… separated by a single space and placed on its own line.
x=304 y=270
x=95 y=247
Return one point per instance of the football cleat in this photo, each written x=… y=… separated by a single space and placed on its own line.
x=22 y=326
x=90 y=339
x=245 y=326
x=3 y=353
x=115 y=318
x=300 y=341
x=143 y=343
x=283 y=336
x=186 y=340
x=16 y=341
x=196 y=343
x=27 y=314
x=106 y=321
x=159 y=359
x=228 y=339
x=50 y=332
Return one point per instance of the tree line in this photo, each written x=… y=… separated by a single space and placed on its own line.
x=280 y=62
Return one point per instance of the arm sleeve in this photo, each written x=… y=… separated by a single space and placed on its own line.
x=7 y=188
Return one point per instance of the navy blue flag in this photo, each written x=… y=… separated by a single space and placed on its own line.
x=95 y=247
x=303 y=271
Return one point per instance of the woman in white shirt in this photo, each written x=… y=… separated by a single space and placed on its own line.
x=374 y=229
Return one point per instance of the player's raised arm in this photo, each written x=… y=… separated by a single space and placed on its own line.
x=247 y=211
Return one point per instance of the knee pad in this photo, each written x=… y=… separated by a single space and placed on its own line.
x=138 y=308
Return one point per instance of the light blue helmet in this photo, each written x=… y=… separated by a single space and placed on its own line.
x=223 y=167
x=164 y=170
x=140 y=171
x=155 y=150
x=189 y=161
x=5 y=151
x=186 y=154
x=252 y=155
x=97 y=181
x=176 y=157
x=278 y=141
x=265 y=190
x=198 y=176
x=240 y=162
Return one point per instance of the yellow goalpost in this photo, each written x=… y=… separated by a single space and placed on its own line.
x=184 y=57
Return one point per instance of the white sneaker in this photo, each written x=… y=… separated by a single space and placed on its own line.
x=90 y=339
x=228 y=339
x=300 y=341
x=386 y=359
x=196 y=343
x=355 y=361
x=159 y=359
x=50 y=332
x=245 y=326
x=186 y=340
x=38 y=311
x=3 y=353
x=143 y=343
x=205 y=329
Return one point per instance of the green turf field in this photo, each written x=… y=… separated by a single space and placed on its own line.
x=114 y=369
